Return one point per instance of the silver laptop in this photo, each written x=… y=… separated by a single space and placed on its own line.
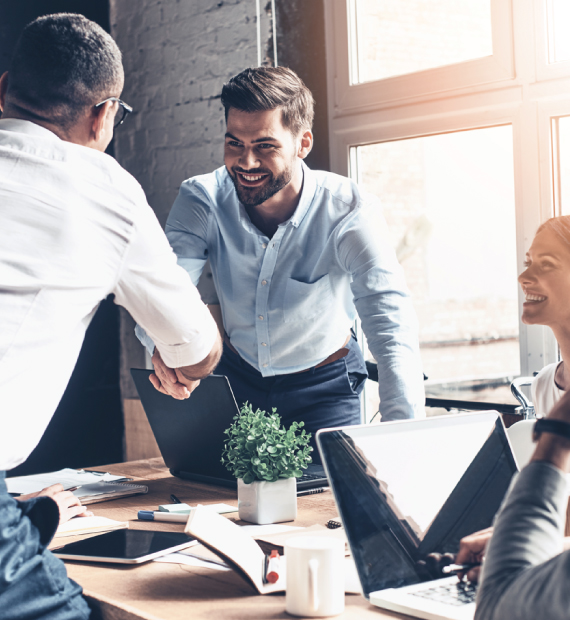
x=410 y=488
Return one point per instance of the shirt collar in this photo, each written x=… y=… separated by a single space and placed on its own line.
x=20 y=126
x=307 y=195
x=305 y=201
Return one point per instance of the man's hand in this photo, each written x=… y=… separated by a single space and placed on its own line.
x=166 y=380
x=472 y=550
x=69 y=506
x=181 y=382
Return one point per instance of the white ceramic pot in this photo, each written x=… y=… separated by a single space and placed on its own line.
x=268 y=502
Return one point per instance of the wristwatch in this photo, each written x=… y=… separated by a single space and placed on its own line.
x=556 y=427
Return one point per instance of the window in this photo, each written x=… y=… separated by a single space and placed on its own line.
x=558 y=12
x=456 y=113
x=561 y=163
x=396 y=38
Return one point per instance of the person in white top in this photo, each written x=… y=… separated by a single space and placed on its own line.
x=74 y=228
x=546 y=285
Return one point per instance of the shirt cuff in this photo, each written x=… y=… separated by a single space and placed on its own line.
x=193 y=352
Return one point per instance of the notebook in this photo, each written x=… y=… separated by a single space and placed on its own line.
x=190 y=433
x=103 y=491
x=88 y=525
x=409 y=488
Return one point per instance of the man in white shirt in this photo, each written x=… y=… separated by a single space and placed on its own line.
x=74 y=228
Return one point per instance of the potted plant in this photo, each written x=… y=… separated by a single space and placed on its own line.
x=266 y=458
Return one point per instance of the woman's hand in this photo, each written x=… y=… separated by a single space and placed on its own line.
x=69 y=506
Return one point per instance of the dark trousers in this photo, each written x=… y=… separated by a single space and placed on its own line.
x=320 y=397
x=33 y=582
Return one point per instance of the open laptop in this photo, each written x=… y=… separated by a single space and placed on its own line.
x=190 y=433
x=410 y=488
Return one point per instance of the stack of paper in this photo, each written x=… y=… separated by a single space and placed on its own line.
x=92 y=487
x=67 y=477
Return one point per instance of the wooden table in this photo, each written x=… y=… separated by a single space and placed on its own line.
x=160 y=591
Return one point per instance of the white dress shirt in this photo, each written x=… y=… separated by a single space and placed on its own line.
x=75 y=227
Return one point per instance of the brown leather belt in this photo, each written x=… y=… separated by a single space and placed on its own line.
x=333 y=357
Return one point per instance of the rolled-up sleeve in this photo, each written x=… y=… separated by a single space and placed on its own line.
x=161 y=297
x=187 y=229
x=524 y=575
x=385 y=309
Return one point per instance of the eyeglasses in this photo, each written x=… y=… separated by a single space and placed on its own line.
x=122 y=111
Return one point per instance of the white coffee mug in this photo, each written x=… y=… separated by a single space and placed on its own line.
x=315 y=576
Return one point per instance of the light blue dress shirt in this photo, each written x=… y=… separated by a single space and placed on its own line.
x=288 y=302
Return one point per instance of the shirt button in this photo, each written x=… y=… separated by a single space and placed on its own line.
x=263 y=282
x=260 y=317
x=264 y=245
x=264 y=344
x=264 y=365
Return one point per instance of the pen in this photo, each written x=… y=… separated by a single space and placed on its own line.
x=311 y=491
x=459 y=568
x=272 y=566
x=174 y=499
x=73 y=489
x=149 y=515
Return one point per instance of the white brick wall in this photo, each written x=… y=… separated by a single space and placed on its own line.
x=177 y=55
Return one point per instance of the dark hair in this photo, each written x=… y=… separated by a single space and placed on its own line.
x=268 y=88
x=560 y=226
x=62 y=65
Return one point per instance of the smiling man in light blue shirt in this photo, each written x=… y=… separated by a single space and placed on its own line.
x=295 y=255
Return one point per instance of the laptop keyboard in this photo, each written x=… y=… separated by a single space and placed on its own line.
x=460 y=593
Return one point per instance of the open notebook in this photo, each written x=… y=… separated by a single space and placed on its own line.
x=237 y=547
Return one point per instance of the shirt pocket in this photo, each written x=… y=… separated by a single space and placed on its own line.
x=306 y=300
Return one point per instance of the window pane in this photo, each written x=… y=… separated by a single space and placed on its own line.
x=561 y=164
x=396 y=37
x=449 y=203
x=558 y=12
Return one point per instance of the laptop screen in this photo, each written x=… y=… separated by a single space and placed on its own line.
x=415 y=487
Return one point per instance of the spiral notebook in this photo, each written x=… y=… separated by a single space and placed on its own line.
x=103 y=491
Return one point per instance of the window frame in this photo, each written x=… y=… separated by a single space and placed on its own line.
x=518 y=88
x=349 y=97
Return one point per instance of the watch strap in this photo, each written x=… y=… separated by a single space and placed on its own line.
x=556 y=427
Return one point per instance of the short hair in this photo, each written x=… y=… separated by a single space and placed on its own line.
x=560 y=226
x=267 y=88
x=62 y=65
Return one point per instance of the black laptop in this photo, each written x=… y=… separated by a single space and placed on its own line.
x=190 y=433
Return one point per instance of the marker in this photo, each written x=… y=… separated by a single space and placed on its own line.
x=272 y=566
x=312 y=491
x=149 y=515
x=459 y=568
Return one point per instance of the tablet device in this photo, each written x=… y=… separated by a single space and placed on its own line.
x=125 y=546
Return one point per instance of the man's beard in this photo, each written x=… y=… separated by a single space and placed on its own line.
x=253 y=196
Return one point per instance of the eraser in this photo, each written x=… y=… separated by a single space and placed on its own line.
x=181 y=509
